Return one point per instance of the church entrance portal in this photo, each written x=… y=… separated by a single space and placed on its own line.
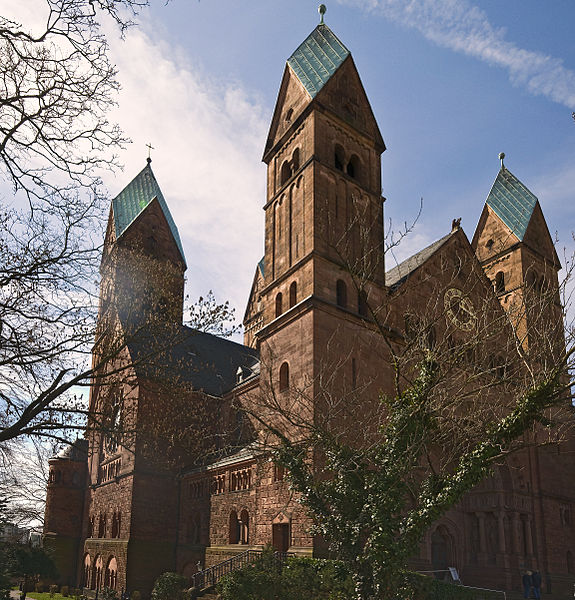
x=280 y=537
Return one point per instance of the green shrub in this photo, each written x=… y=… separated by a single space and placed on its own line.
x=108 y=594
x=4 y=594
x=169 y=586
x=268 y=579
x=135 y=595
x=53 y=590
x=65 y=591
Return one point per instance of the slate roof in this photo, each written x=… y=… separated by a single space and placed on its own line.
x=512 y=202
x=77 y=452
x=203 y=361
x=261 y=265
x=318 y=58
x=129 y=204
x=396 y=276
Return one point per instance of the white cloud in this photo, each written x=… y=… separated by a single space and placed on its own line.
x=208 y=137
x=465 y=28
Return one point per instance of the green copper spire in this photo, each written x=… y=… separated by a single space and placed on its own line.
x=318 y=58
x=131 y=202
x=511 y=201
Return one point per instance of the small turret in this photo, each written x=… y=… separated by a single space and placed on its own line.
x=64 y=508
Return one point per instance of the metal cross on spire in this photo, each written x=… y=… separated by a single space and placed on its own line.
x=150 y=148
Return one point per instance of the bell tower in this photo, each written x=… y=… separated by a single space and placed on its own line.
x=324 y=211
x=516 y=251
x=323 y=266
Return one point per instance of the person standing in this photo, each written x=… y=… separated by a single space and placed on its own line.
x=527 y=581
x=536 y=582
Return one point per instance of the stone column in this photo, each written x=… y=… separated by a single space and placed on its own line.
x=501 y=528
x=482 y=540
x=515 y=533
x=528 y=536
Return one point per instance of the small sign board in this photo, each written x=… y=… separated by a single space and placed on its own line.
x=454 y=574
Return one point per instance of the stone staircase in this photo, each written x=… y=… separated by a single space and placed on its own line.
x=205 y=581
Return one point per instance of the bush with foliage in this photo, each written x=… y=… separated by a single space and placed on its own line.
x=65 y=591
x=53 y=590
x=136 y=595
x=169 y=586
x=301 y=578
x=268 y=579
x=108 y=594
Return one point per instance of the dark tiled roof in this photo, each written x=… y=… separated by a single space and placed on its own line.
x=129 y=204
x=202 y=361
x=396 y=276
x=512 y=202
x=317 y=59
x=77 y=452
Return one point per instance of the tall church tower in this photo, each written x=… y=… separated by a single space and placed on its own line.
x=516 y=251
x=130 y=518
x=323 y=265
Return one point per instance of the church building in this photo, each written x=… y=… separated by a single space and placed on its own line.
x=172 y=475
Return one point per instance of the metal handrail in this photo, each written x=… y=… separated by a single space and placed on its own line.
x=471 y=587
x=210 y=576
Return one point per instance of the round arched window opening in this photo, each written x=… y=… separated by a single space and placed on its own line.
x=295 y=160
x=284 y=377
x=234 y=528
x=353 y=168
x=279 y=302
x=341 y=293
x=285 y=173
x=293 y=294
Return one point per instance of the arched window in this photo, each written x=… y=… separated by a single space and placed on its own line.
x=362 y=303
x=279 y=308
x=91 y=527
x=353 y=167
x=284 y=377
x=295 y=160
x=115 y=525
x=244 y=527
x=102 y=525
x=285 y=172
x=86 y=570
x=339 y=158
x=341 y=293
x=234 y=529
x=193 y=529
x=98 y=573
x=293 y=294
x=441 y=551
x=111 y=578
x=499 y=282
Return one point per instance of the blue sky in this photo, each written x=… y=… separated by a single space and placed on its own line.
x=452 y=83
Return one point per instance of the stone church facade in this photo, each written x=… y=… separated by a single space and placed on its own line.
x=183 y=484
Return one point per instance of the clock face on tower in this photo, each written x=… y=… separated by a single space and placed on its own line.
x=459 y=309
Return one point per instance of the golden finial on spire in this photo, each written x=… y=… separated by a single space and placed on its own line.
x=501 y=157
x=321 y=10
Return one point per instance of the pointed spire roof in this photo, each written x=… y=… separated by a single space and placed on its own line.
x=131 y=202
x=512 y=202
x=318 y=58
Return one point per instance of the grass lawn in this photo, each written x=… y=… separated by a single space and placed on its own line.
x=47 y=596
